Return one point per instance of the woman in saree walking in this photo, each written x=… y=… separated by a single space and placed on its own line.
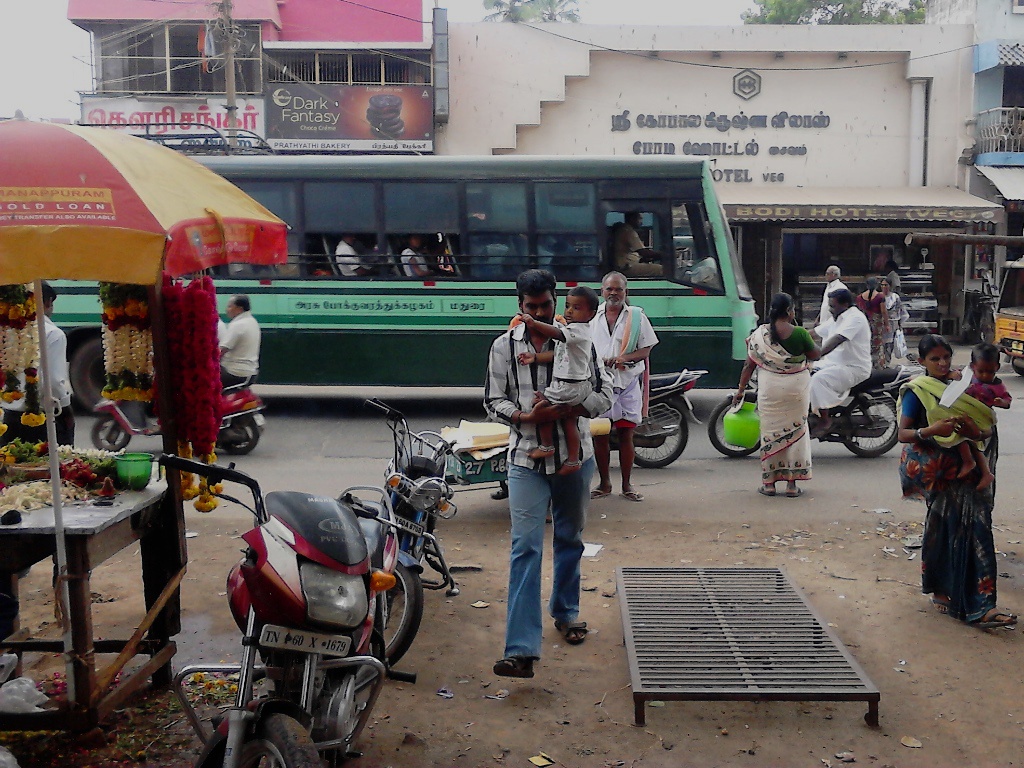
x=958 y=556
x=781 y=350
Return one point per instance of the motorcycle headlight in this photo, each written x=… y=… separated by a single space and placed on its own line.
x=333 y=598
x=427 y=494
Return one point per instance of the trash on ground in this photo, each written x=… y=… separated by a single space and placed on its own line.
x=502 y=694
x=910 y=741
x=591 y=550
x=21 y=695
x=541 y=760
x=480 y=604
x=846 y=757
x=444 y=693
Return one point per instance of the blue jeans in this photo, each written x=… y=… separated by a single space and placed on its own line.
x=529 y=495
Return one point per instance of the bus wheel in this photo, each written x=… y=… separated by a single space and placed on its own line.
x=1018 y=365
x=87 y=373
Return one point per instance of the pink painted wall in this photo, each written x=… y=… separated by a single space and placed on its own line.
x=183 y=10
x=371 y=21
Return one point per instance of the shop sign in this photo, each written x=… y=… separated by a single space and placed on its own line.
x=308 y=117
x=857 y=213
x=161 y=113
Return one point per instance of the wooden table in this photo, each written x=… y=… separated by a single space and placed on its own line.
x=94 y=532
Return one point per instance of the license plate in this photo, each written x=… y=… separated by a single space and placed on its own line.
x=287 y=639
x=260 y=419
x=410 y=527
x=1017 y=346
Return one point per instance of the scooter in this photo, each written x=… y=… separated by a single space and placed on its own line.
x=661 y=437
x=866 y=422
x=308 y=597
x=242 y=421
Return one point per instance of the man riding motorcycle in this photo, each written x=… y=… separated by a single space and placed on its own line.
x=239 y=343
x=845 y=357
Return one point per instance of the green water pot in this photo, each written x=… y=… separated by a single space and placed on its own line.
x=134 y=470
x=742 y=428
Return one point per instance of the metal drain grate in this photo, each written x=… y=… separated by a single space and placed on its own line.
x=731 y=634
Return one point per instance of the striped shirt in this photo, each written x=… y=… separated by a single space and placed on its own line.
x=510 y=387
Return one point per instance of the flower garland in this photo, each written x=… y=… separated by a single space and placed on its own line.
x=19 y=351
x=127 y=342
x=191 y=313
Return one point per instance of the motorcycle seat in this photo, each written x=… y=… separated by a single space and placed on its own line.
x=879 y=377
x=661 y=380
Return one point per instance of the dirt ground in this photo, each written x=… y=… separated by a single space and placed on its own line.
x=956 y=690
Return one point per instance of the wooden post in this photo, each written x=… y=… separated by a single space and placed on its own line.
x=164 y=551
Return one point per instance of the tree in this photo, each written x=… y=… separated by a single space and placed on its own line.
x=510 y=10
x=532 y=10
x=836 y=12
x=556 y=10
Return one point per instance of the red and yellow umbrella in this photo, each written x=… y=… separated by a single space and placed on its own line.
x=96 y=204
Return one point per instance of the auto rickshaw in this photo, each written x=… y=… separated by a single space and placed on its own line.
x=1010 y=314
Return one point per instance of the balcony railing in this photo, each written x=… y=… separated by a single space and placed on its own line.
x=1000 y=130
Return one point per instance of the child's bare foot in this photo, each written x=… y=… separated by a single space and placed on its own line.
x=986 y=480
x=542 y=452
x=969 y=465
x=569 y=467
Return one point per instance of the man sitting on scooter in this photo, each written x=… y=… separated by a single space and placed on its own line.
x=239 y=343
x=845 y=357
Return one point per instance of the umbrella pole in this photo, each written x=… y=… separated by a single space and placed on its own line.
x=49 y=406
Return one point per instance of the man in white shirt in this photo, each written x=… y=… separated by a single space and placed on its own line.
x=845 y=357
x=834 y=284
x=239 y=343
x=623 y=340
x=349 y=257
x=414 y=263
x=57 y=357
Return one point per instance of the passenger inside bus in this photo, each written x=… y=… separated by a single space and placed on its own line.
x=353 y=259
x=630 y=255
x=414 y=259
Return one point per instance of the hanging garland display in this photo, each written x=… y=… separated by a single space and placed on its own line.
x=191 y=313
x=127 y=342
x=19 y=352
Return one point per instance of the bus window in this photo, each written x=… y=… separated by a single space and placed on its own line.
x=566 y=243
x=497 y=223
x=695 y=260
x=280 y=199
x=428 y=212
x=636 y=242
x=341 y=229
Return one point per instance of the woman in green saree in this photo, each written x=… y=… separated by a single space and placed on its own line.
x=958 y=558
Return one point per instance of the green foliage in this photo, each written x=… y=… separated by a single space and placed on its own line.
x=532 y=10
x=836 y=12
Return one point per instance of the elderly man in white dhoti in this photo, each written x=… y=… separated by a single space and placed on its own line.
x=845 y=357
x=832 y=275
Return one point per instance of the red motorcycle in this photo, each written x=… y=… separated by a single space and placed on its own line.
x=242 y=421
x=308 y=596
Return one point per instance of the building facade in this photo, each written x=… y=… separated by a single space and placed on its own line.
x=830 y=144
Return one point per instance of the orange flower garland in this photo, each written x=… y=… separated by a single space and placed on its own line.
x=127 y=342
x=19 y=351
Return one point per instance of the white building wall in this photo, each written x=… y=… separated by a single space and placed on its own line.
x=526 y=90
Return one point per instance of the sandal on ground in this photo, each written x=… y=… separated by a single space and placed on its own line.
x=996 y=619
x=600 y=493
x=514 y=666
x=632 y=495
x=941 y=604
x=794 y=493
x=767 y=490
x=574 y=632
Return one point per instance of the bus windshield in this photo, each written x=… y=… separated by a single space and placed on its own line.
x=401 y=269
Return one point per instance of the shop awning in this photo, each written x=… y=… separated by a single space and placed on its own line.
x=855 y=204
x=1009 y=181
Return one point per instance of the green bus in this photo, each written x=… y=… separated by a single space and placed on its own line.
x=401 y=268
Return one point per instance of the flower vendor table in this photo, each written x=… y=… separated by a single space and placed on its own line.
x=92 y=534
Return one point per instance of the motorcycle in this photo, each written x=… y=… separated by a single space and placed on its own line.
x=242 y=421
x=662 y=436
x=419 y=496
x=866 y=422
x=307 y=596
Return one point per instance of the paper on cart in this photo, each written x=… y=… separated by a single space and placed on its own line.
x=954 y=390
x=476 y=435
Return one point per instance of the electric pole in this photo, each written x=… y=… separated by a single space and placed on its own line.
x=229 y=71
